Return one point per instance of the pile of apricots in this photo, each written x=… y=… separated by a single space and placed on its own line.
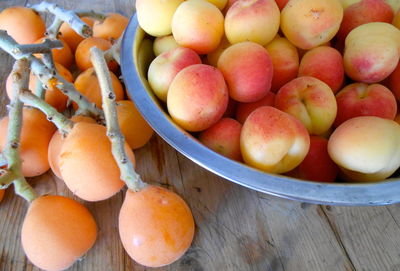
x=305 y=88
x=156 y=226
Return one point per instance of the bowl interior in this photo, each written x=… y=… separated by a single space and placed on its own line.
x=137 y=54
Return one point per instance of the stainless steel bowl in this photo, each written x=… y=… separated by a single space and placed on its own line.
x=136 y=55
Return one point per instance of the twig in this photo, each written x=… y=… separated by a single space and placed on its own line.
x=20 y=77
x=128 y=174
x=18 y=51
x=62 y=122
x=63 y=15
x=50 y=77
x=114 y=52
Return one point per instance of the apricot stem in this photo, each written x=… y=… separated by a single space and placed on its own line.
x=128 y=174
x=20 y=78
x=114 y=51
x=62 y=122
x=63 y=15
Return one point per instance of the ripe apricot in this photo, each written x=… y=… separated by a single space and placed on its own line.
x=56 y=232
x=56 y=142
x=62 y=55
x=82 y=53
x=88 y=84
x=36 y=133
x=111 y=28
x=156 y=226
x=87 y=165
x=23 y=24
x=70 y=36
x=136 y=130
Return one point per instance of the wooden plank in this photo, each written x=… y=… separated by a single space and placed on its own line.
x=370 y=235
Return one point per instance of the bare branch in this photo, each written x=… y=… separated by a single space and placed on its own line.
x=128 y=174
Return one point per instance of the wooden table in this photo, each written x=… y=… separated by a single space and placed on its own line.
x=236 y=228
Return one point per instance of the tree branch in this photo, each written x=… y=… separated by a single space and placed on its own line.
x=128 y=174
x=62 y=122
x=20 y=79
x=63 y=15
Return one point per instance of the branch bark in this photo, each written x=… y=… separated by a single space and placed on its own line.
x=128 y=174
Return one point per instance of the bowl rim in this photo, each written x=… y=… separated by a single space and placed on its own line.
x=346 y=194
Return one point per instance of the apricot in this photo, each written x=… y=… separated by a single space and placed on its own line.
x=317 y=165
x=309 y=100
x=111 y=28
x=191 y=26
x=56 y=142
x=82 y=53
x=248 y=70
x=213 y=56
x=359 y=99
x=219 y=3
x=366 y=148
x=163 y=69
x=371 y=52
x=197 y=97
x=252 y=20
x=36 y=132
x=243 y=110
x=136 y=130
x=394 y=82
x=156 y=226
x=362 y=12
x=223 y=137
x=273 y=141
x=87 y=165
x=148 y=10
x=324 y=63
x=164 y=44
x=310 y=23
x=23 y=24
x=88 y=84
x=285 y=61
x=70 y=36
x=56 y=232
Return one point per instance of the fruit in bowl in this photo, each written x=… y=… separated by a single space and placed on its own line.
x=308 y=96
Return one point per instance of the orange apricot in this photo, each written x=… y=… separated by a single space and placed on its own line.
x=111 y=28
x=62 y=55
x=56 y=232
x=36 y=133
x=82 y=53
x=56 y=142
x=87 y=165
x=136 y=130
x=23 y=24
x=70 y=36
x=88 y=84
x=156 y=226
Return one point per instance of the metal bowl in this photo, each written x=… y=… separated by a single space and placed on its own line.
x=136 y=55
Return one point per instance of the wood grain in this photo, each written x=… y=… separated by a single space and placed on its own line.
x=236 y=228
